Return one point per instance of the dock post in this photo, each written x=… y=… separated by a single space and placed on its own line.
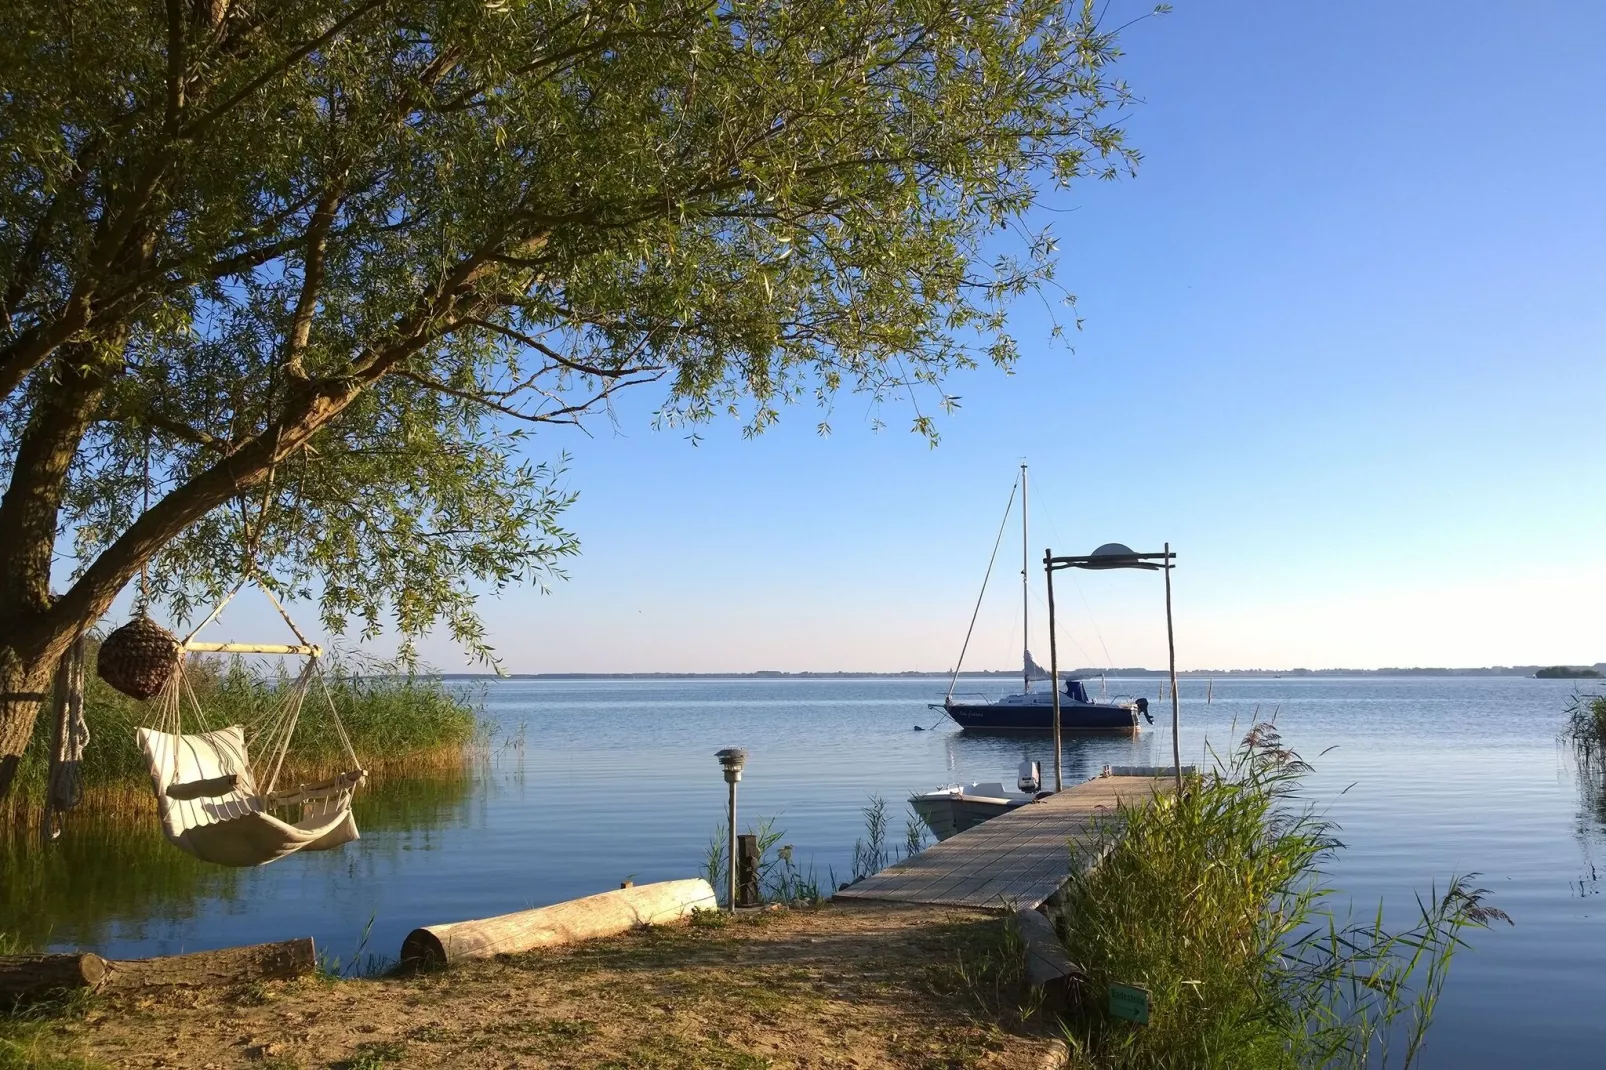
x=1171 y=648
x=1054 y=668
x=747 y=870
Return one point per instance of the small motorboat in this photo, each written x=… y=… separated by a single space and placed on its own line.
x=957 y=807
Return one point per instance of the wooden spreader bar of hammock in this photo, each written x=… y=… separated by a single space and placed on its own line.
x=323 y=789
x=255 y=648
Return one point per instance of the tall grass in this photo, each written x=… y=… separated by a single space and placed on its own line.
x=1215 y=903
x=780 y=878
x=1585 y=730
x=399 y=725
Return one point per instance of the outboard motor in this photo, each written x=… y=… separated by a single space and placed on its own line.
x=1143 y=708
x=1030 y=778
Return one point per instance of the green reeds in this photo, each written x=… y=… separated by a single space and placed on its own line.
x=780 y=879
x=1215 y=904
x=870 y=853
x=1585 y=730
x=407 y=726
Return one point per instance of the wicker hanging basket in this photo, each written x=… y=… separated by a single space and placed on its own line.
x=138 y=658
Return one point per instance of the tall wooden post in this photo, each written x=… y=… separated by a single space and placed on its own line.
x=1025 y=592
x=1171 y=646
x=1053 y=668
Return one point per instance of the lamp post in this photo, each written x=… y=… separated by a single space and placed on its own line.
x=731 y=759
x=1114 y=555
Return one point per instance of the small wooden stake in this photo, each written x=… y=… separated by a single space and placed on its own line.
x=747 y=870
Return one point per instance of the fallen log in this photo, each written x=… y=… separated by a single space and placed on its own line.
x=1048 y=968
x=32 y=976
x=282 y=961
x=562 y=923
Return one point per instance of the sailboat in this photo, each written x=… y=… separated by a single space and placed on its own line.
x=1033 y=711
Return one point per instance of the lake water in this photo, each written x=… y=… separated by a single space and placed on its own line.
x=593 y=782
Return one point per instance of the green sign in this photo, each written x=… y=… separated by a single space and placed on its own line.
x=1129 y=1003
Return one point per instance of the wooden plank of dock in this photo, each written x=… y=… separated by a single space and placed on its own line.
x=1017 y=859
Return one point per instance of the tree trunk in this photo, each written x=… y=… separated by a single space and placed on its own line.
x=29 y=515
x=24 y=685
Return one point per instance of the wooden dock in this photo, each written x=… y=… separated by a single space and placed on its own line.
x=1017 y=859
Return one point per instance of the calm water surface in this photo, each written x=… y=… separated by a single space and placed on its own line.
x=1428 y=777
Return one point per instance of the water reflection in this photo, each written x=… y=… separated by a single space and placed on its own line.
x=1084 y=754
x=1591 y=823
x=102 y=874
x=114 y=880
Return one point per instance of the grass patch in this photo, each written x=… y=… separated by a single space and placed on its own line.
x=30 y=1033
x=1215 y=904
x=986 y=971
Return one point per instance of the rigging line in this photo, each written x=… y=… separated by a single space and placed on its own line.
x=1069 y=636
x=1054 y=526
x=1093 y=621
x=983 y=593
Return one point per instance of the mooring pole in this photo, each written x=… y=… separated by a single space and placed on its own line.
x=1171 y=646
x=1053 y=667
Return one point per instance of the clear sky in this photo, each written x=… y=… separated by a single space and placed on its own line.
x=1345 y=347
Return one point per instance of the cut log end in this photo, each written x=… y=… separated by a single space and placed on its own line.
x=422 y=950
x=28 y=977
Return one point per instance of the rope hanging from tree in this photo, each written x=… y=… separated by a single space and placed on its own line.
x=69 y=737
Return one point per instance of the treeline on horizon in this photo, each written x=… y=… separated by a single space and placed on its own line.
x=1488 y=670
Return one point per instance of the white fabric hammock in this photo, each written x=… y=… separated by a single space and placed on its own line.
x=215 y=804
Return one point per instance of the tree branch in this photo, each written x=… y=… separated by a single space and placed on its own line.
x=552 y=354
x=490 y=401
x=311 y=281
x=284 y=64
x=175 y=65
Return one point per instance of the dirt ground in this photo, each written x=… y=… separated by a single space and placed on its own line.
x=865 y=987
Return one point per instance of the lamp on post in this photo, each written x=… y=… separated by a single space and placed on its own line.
x=1109 y=556
x=731 y=759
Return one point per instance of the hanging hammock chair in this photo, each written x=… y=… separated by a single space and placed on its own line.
x=217 y=802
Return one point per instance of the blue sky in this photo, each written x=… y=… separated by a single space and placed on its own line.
x=1345 y=347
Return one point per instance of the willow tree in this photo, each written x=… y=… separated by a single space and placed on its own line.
x=284 y=283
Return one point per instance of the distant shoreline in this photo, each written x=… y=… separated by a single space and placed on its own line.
x=1000 y=674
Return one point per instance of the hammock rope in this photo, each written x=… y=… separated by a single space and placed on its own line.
x=216 y=787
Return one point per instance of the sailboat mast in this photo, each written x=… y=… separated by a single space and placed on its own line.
x=1025 y=589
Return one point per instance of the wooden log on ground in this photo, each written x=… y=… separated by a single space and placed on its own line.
x=32 y=976
x=282 y=961
x=1048 y=968
x=562 y=923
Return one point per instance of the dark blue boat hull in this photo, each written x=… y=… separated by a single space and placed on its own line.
x=1074 y=717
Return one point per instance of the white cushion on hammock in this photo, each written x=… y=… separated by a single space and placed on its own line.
x=233 y=829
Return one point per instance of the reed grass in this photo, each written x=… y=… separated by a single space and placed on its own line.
x=1215 y=903
x=400 y=726
x=780 y=879
x=1585 y=730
